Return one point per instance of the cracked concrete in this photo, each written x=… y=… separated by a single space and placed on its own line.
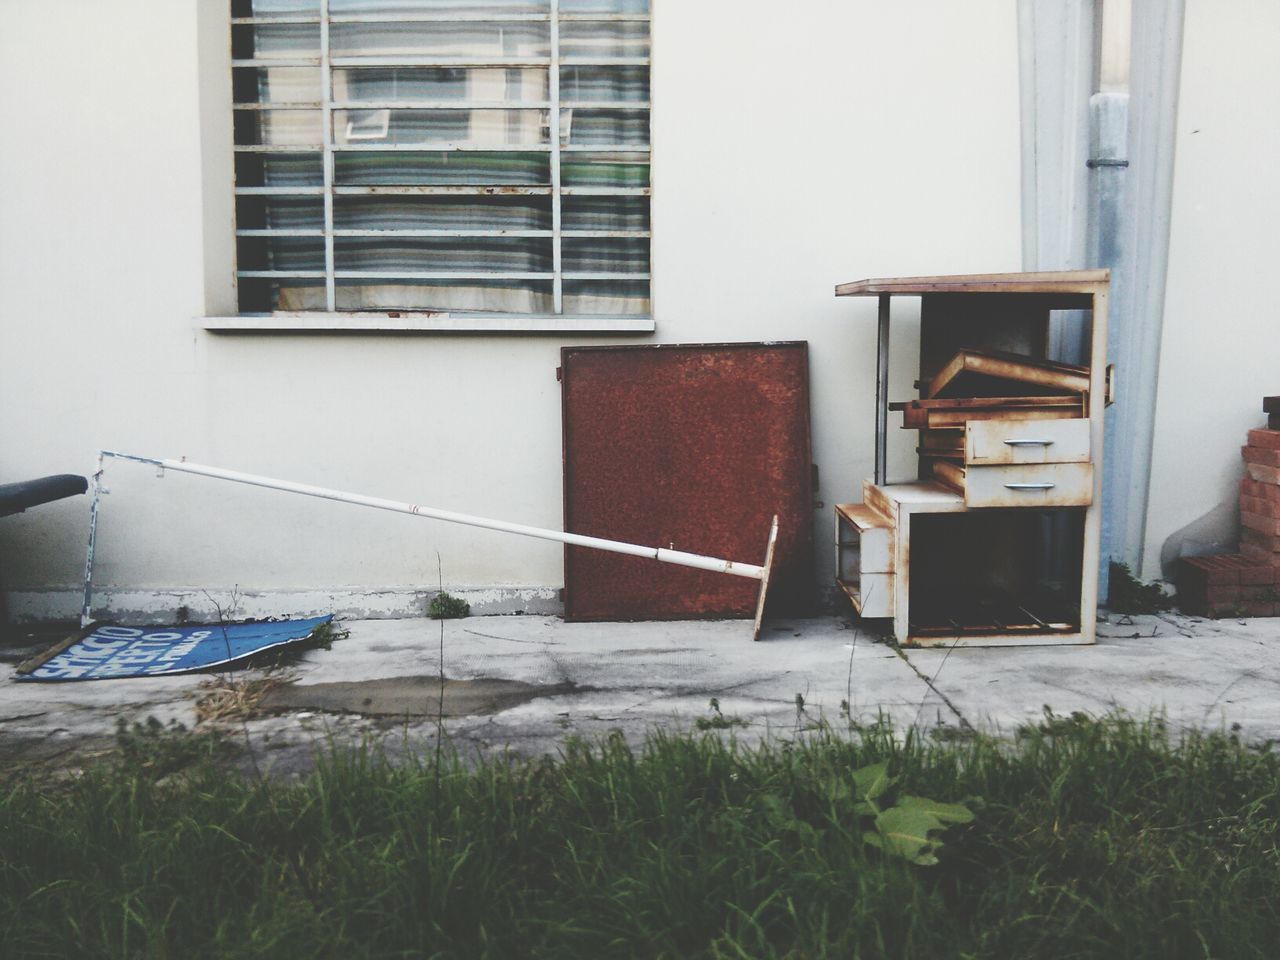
x=587 y=680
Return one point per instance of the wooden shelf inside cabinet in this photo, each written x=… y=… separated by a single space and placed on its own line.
x=865 y=558
x=958 y=411
x=997 y=542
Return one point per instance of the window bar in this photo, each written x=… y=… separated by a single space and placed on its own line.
x=404 y=16
x=554 y=95
x=440 y=105
x=254 y=63
x=326 y=122
x=431 y=145
x=408 y=60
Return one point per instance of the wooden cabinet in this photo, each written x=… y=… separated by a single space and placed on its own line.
x=995 y=540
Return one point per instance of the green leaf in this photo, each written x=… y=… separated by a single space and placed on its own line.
x=872 y=781
x=945 y=812
x=905 y=833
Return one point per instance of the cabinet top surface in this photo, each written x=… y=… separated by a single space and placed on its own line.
x=1065 y=281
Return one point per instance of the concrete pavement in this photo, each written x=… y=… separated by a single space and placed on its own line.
x=527 y=683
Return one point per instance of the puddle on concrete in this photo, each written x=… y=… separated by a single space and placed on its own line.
x=417 y=696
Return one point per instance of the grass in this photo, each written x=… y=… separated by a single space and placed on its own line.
x=1092 y=839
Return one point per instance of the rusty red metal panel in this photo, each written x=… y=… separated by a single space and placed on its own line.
x=692 y=445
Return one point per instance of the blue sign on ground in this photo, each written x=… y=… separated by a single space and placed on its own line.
x=114 y=651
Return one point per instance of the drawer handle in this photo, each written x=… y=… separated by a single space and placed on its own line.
x=1029 y=443
x=1030 y=486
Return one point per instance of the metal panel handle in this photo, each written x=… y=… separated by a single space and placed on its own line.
x=1030 y=486
x=1029 y=443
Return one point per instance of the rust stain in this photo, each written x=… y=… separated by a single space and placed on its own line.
x=697 y=446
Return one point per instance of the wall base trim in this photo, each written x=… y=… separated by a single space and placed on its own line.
x=163 y=604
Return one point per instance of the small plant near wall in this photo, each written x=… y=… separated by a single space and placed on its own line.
x=1128 y=594
x=445 y=606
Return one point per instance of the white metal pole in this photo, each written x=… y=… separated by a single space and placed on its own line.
x=98 y=491
x=573 y=539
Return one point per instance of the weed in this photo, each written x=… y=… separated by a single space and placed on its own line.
x=281 y=658
x=1128 y=594
x=153 y=750
x=803 y=721
x=717 y=720
x=323 y=636
x=445 y=606
x=910 y=827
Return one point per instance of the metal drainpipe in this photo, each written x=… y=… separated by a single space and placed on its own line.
x=1130 y=234
x=1132 y=48
x=1108 y=164
x=1108 y=209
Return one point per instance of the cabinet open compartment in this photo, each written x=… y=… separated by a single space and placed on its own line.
x=996 y=572
x=865 y=559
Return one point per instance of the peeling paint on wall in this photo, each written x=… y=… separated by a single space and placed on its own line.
x=163 y=604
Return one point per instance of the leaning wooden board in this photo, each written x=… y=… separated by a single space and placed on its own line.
x=989 y=365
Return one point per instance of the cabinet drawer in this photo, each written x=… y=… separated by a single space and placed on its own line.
x=1029 y=485
x=998 y=442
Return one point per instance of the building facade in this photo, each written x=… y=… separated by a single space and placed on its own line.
x=789 y=151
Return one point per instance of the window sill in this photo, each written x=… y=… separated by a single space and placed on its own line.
x=424 y=323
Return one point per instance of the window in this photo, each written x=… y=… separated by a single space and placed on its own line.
x=476 y=158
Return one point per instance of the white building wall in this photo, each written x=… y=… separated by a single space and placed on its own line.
x=1221 y=347
x=795 y=148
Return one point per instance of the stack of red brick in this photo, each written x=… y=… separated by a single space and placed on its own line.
x=1260 y=498
x=1246 y=584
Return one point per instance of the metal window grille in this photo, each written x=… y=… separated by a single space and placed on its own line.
x=486 y=157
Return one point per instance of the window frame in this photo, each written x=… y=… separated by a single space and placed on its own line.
x=410 y=319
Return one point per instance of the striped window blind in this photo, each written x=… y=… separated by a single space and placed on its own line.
x=484 y=157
